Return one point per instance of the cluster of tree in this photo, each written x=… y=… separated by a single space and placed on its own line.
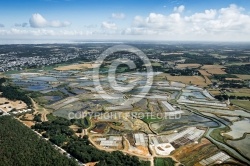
x=21 y=146
x=184 y=72
x=170 y=58
x=57 y=128
x=57 y=131
x=238 y=69
x=14 y=93
x=202 y=59
x=38 y=118
x=222 y=77
x=82 y=150
x=83 y=123
x=233 y=60
x=226 y=97
x=232 y=85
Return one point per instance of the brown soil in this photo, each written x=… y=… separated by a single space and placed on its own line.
x=12 y=104
x=204 y=73
x=193 y=153
x=76 y=67
x=28 y=123
x=191 y=65
x=216 y=71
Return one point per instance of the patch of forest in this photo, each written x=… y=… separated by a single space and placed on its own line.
x=14 y=93
x=238 y=69
x=21 y=146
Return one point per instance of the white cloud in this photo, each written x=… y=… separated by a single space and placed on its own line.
x=201 y=17
x=223 y=23
x=1 y=25
x=159 y=21
x=179 y=9
x=38 y=21
x=109 y=25
x=118 y=15
x=229 y=24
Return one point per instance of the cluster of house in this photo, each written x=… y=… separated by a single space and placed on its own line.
x=21 y=111
x=11 y=61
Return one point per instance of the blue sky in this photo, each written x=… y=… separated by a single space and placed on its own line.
x=211 y=20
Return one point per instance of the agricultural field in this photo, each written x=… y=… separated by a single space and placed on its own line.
x=243 y=77
x=193 y=153
x=84 y=66
x=191 y=65
x=204 y=73
x=214 y=69
x=194 y=80
x=242 y=103
x=164 y=162
x=214 y=92
x=239 y=92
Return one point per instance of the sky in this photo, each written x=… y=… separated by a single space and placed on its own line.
x=118 y=20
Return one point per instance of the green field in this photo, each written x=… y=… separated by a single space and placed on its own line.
x=156 y=64
x=151 y=119
x=242 y=103
x=164 y=162
x=216 y=134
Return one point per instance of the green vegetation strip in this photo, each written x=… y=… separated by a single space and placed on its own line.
x=151 y=119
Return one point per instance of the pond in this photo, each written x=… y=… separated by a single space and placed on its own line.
x=78 y=91
x=53 y=99
x=49 y=79
x=239 y=128
x=38 y=87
